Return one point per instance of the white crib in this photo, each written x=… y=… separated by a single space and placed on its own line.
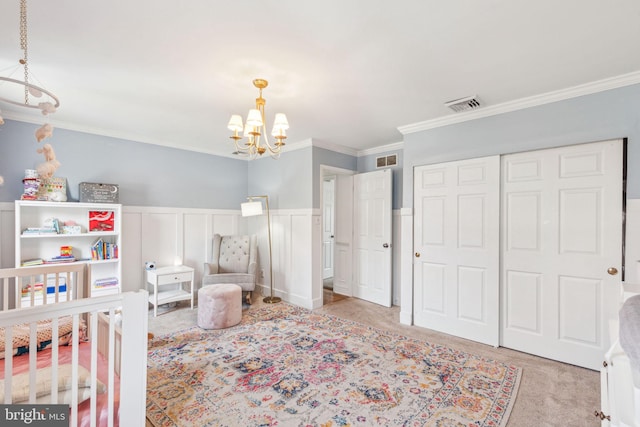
x=117 y=405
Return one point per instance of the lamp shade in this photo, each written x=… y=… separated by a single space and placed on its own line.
x=254 y=118
x=280 y=122
x=251 y=208
x=235 y=123
x=280 y=125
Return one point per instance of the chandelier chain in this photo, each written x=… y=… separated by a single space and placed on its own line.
x=23 y=46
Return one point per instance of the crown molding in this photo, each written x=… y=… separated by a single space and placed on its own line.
x=336 y=148
x=532 y=101
x=381 y=149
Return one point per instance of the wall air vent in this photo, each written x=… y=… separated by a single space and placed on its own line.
x=464 y=104
x=386 y=161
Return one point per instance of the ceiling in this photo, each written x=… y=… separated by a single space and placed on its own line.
x=346 y=73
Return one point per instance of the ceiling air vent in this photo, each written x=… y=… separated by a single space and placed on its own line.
x=464 y=104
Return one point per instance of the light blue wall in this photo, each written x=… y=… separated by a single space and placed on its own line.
x=602 y=116
x=368 y=164
x=293 y=181
x=287 y=181
x=148 y=175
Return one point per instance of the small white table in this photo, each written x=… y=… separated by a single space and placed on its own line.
x=175 y=275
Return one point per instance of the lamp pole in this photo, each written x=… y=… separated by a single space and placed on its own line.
x=270 y=299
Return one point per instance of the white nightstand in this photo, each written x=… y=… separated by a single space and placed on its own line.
x=162 y=278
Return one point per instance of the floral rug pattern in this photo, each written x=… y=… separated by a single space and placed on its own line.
x=288 y=366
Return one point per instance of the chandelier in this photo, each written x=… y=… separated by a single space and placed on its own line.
x=256 y=126
x=17 y=86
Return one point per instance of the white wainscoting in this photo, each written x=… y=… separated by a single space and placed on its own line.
x=296 y=269
x=405 y=265
x=182 y=235
x=171 y=236
x=632 y=248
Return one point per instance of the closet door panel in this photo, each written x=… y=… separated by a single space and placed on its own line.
x=456 y=243
x=561 y=232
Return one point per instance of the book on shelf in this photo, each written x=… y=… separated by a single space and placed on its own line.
x=106 y=282
x=101 y=250
x=29 y=262
x=38 y=231
x=60 y=258
x=38 y=289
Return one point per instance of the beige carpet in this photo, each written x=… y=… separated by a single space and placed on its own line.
x=551 y=394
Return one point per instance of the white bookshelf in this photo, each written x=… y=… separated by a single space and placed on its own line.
x=34 y=214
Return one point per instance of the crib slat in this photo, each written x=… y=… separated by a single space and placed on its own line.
x=94 y=366
x=5 y=294
x=54 y=359
x=74 y=369
x=111 y=370
x=8 y=363
x=33 y=349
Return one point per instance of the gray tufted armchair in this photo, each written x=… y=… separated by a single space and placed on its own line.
x=234 y=260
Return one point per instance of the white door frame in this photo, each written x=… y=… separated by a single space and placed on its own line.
x=325 y=172
x=328 y=234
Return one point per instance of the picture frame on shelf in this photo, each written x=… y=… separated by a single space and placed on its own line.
x=101 y=221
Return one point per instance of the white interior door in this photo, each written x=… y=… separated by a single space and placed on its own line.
x=343 y=241
x=328 y=232
x=456 y=243
x=372 y=221
x=561 y=232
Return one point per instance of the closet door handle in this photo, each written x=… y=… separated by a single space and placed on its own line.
x=385 y=245
x=612 y=271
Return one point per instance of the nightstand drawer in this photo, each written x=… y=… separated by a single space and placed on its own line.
x=166 y=279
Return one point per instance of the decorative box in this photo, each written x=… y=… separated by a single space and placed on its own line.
x=53 y=189
x=91 y=192
x=71 y=229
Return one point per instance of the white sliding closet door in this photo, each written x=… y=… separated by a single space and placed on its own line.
x=561 y=232
x=456 y=260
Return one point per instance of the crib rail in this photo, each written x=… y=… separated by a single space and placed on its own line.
x=133 y=348
x=15 y=280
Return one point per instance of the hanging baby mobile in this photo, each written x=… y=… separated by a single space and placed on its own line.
x=33 y=98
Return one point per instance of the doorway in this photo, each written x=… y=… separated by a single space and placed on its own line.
x=330 y=205
x=357 y=233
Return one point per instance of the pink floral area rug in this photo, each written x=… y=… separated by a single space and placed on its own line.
x=288 y=366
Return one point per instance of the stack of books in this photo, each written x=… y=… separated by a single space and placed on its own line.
x=106 y=282
x=37 y=231
x=38 y=289
x=60 y=258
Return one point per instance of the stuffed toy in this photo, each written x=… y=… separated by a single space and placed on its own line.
x=47 y=108
x=51 y=164
x=44 y=131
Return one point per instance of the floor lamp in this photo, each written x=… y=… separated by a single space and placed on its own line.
x=252 y=208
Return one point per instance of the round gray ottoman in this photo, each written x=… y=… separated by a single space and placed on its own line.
x=219 y=306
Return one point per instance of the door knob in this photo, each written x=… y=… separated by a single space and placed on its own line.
x=612 y=271
x=332 y=236
x=385 y=245
x=417 y=254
